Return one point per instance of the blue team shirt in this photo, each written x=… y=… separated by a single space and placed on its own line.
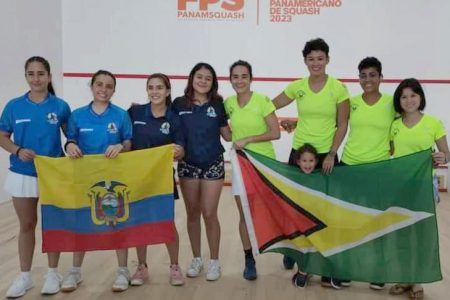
x=94 y=133
x=202 y=125
x=149 y=131
x=35 y=126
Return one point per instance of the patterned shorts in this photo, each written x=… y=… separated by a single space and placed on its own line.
x=214 y=171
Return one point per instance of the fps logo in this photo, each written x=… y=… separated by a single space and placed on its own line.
x=211 y=10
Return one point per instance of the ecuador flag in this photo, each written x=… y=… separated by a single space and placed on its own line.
x=373 y=222
x=95 y=203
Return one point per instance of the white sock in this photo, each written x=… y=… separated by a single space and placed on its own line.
x=76 y=269
x=26 y=274
x=52 y=270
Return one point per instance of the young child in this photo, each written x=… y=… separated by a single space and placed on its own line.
x=306 y=159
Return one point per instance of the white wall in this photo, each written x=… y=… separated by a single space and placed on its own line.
x=28 y=28
x=142 y=37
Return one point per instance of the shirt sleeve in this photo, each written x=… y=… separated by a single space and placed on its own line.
x=341 y=92
x=65 y=113
x=291 y=89
x=267 y=106
x=223 y=121
x=6 y=120
x=439 y=130
x=127 y=128
x=72 y=129
x=177 y=132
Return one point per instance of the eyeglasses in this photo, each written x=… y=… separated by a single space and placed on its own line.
x=369 y=76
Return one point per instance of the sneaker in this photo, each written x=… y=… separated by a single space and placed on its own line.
x=346 y=283
x=331 y=282
x=176 y=276
x=288 y=262
x=195 y=268
x=376 y=286
x=122 y=280
x=72 y=281
x=250 y=268
x=300 y=279
x=213 y=270
x=52 y=283
x=140 y=276
x=20 y=286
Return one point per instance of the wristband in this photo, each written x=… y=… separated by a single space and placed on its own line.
x=67 y=143
x=332 y=153
x=18 y=150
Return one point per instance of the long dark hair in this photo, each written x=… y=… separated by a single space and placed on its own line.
x=166 y=82
x=213 y=94
x=46 y=65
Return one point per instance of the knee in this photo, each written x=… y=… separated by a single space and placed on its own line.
x=210 y=217
x=28 y=226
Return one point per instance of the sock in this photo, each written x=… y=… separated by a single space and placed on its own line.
x=76 y=269
x=52 y=270
x=248 y=253
x=26 y=274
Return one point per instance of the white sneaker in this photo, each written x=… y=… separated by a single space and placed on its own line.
x=19 y=287
x=195 y=268
x=52 y=283
x=122 y=280
x=213 y=270
x=72 y=281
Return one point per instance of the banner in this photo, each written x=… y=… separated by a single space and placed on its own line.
x=95 y=203
x=373 y=222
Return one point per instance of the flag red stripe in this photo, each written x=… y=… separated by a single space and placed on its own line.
x=67 y=241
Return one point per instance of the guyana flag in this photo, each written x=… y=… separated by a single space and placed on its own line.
x=374 y=222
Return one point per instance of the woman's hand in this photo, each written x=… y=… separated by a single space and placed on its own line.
x=439 y=158
x=113 y=150
x=240 y=144
x=73 y=151
x=288 y=125
x=328 y=164
x=178 y=152
x=26 y=154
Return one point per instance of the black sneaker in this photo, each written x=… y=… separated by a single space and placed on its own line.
x=377 y=286
x=250 y=269
x=300 y=279
x=331 y=282
x=288 y=262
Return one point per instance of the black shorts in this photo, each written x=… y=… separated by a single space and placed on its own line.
x=214 y=171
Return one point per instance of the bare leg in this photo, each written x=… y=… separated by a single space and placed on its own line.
x=26 y=210
x=122 y=257
x=190 y=189
x=210 y=194
x=173 y=249
x=242 y=227
x=141 y=253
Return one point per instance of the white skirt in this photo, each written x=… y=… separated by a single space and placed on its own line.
x=21 y=186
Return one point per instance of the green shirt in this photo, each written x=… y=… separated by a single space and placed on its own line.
x=420 y=137
x=368 y=139
x=316 y=112
x=249 y=121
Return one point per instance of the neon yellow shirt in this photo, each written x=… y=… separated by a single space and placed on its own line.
x=316 y=112
x=420 y=137
x=368 y=139
x=249 y=121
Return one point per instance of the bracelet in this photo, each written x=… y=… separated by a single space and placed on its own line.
x=18 y=150
x=67 y=143
x=332 y=153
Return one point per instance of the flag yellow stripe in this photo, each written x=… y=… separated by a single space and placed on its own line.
x=57 y=175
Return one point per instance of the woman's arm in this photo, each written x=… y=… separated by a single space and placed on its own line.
x=8 y=145
x=343 y=110
x=225 y=132
x=272 y=133
x=281 y=100
x=443 y=156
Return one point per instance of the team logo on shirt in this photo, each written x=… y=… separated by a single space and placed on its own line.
x=211 y=112
x=395 y=132
x=52 y=118
x=109 y=202
x=165 y=128
x=299 y=94
x=354 y=107
x=112 y=127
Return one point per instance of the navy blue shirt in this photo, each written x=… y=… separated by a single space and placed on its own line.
x=201 y=124
x=35 y=126
x=149 y=131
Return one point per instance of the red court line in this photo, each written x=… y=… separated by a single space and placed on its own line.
x=261 y=79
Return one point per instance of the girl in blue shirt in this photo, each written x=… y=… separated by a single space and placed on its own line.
x=201 y=171
x=154 y=124
x=35 y=121
x=99 y=127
